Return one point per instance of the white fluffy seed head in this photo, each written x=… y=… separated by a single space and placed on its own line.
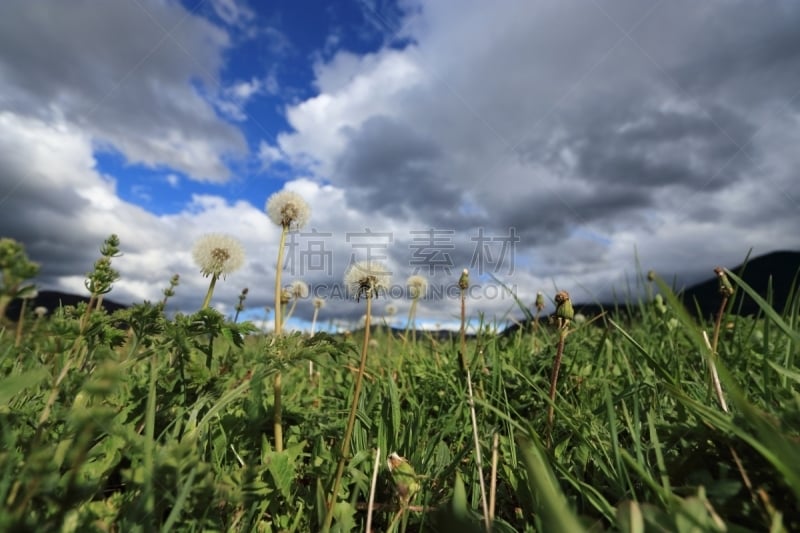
x=288 y=210
x=417 y=286
x=367 y=278
x=299 y=289
x=218 y=254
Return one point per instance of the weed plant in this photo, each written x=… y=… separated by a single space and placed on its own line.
x=135 y=421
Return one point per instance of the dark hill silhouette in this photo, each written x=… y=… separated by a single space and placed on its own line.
x=52 y=300
x=777 y=268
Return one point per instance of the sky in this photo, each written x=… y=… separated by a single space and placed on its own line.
x=542 y=144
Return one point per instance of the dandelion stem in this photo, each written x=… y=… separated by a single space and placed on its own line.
x=277 y=421
x=348 y=434
x=278 y=271
x=562 y=336
x=478 y=462
x=493 y=479
x=20 y=321
x=210 y=292
x=372 y=487
x=463 y=284
x=278 y=417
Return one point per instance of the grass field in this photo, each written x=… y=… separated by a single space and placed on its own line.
x=139 y=422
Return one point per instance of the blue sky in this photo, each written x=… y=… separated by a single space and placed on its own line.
x=590 y=131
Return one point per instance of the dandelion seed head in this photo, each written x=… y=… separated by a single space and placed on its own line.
x=288 y=210
x=417 y=285
x=40 y=311
x=299 y=289
x=319 y=303
x=367 y=278
x=286 y=294
x=218 y=254
x=391 y=310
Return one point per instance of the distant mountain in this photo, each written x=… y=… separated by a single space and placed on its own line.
x=53 y=300
x=777 y=268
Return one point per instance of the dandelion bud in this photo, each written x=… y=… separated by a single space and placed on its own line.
x=725 y=287
x=539 y=301
x=564 y=306
x=463 y=281
x=651 y=275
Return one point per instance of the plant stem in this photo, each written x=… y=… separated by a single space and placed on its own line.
x=718 y=325
x=372 y=487
x=277 y=421
x=478 y=462
x=20 y=321
x=278 y=272
x=149 y=443
x=562 y=335
x=207 y=299
x=463 y=348
x=493 y=479
x=351 y=419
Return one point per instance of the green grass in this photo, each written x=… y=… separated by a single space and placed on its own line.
x=166 y=425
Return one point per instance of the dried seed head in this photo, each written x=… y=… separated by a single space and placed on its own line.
x=319 y=303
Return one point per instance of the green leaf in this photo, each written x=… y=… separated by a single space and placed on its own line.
x=630 y=518
x=282 y=471
x=13 y=385
x=550 y=502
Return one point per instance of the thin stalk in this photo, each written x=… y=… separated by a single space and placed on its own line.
x=210 y=292
x=20 y=321
x=314 y=320
x=493 y=479
x=478 y=462
x=348 y=434
x=463 y=347
x=412 y=321
x=291 y=310
x=562 y=336
x=277 y=421
x=313 y=329
x=278 y=272
x=149 y=443
x=718 y=324
x=276 y=384
x=51 y=399
x=372 y=487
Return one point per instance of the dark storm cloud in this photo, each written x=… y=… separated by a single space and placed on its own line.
x=748 y=52
x=390 y=166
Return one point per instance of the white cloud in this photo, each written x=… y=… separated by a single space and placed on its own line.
x=135 y=76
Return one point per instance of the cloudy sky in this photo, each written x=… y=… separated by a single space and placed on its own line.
x=544 y=143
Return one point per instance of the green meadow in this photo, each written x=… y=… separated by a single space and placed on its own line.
x=140 y=421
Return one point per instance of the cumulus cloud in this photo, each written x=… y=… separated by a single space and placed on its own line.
x=544 y=143
x=630 y=122
x=130 y=74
